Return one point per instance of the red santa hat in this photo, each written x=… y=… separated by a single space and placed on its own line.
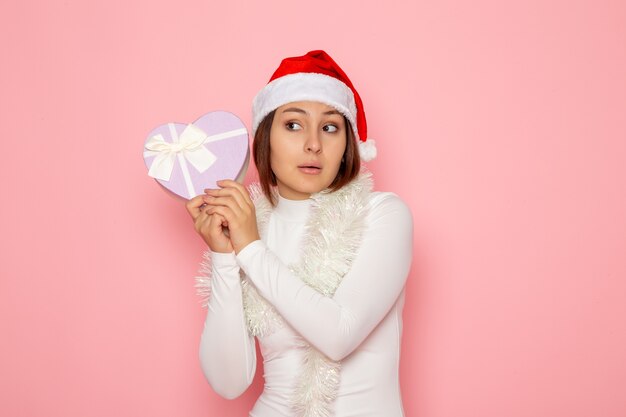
x=314 y=77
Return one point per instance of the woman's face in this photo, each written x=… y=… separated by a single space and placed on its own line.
x=307 y=142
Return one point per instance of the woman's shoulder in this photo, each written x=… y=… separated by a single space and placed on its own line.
x=387 y=203
x=386 y=199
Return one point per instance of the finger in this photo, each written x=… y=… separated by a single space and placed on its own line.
x=226 y=201
x=215 y=223
x=224 y=211
x=202 y=219
x=221 y=220
x=194 y=205
x=231 y=192
x=211 y=224
x=243 y=190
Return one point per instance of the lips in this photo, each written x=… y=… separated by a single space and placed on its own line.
x=310 y=168
x=311 y=165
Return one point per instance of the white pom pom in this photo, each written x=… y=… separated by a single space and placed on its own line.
x=367 y=149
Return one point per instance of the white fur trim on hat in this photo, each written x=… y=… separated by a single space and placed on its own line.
x=304 y=86
x=367 y=149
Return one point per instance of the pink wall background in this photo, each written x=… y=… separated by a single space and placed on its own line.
x=502 y=124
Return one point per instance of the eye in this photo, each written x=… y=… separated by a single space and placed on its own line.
x=293 y=126
x=330 y=128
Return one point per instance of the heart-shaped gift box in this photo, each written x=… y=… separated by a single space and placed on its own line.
x=187 y=158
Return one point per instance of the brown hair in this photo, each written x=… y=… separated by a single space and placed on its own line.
x=348 y=170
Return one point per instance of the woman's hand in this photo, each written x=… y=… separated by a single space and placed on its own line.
x=233 y=203
x=209 y=226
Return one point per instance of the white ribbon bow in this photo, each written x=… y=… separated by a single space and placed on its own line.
x=190 y=143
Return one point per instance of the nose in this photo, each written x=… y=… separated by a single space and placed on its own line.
x=313 y=142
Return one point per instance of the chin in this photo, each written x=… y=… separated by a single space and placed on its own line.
x=314 y=185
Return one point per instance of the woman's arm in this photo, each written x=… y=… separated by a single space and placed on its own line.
x=227 y=351
x=337 y=325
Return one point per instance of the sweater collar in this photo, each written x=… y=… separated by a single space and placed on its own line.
x=294 y=210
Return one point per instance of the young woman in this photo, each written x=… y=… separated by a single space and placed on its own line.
x=311 y=261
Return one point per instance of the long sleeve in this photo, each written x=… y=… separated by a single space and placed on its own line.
x=336 y=326
x=227 y=350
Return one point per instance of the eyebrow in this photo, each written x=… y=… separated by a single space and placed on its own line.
x=295 y=109
x=298 y=110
